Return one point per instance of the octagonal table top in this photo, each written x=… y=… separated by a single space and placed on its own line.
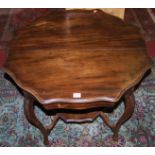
x=77 y=56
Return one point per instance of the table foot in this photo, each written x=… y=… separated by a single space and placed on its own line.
x=31 y=117
x=129 y=103
x=115 y=137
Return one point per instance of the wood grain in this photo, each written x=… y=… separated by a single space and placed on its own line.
x=83 y=51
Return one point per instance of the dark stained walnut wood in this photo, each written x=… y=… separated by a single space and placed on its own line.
x=129 y=103
x=77 y=51
x=89 y=52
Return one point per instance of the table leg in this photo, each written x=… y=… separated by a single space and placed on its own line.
x=129 y=103
x=31 y=117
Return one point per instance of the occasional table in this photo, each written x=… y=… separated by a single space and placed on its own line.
x=76 y=64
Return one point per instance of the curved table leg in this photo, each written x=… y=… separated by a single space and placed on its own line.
x=129 y=103
x=106 y=120
x=31 y=117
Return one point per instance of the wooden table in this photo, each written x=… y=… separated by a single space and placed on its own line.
x=76 y=64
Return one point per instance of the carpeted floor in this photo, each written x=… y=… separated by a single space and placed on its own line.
x=138 y=131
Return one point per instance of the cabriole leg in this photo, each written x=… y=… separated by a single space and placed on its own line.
x=129 y=103
x=31 y=117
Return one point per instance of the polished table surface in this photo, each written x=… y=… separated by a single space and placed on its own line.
x=76 y=64
x=86 y=52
